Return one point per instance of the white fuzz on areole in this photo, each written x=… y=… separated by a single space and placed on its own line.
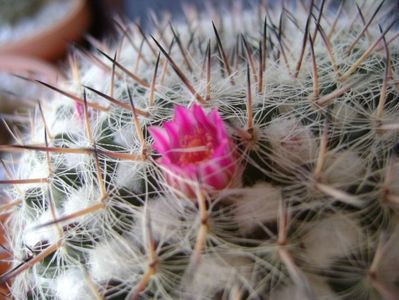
x=80 y=162
x=172 y=220
x=73 y=285
x=330 y=238
x=126 y=137
x=79 y=200
x=33 y=166
x=251 y=207
x=219 y=273
x=292 y=144
x=343 y=169
x=129 y=196
x=44 y=287
x=116 y=259
x=127 y=175
x=58 y=114
x=20 y=285
x=291 y=292
x=34 y=237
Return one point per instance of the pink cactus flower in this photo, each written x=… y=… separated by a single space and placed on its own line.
x=79 y=109
x=196 y=148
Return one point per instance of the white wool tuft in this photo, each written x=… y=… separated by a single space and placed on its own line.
x=81 y=199
x=330 y=238
x=171 y=219
x=73 y=285
x=343 y=168
x=116 y=259
x=216 y=272
x=126 y=175
x=48 y=234
x=291 y=292
x=255 y=205
x=32 y=166
x=291 y=142
x=126 y=137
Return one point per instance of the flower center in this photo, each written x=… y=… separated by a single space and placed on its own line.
x=196 y=148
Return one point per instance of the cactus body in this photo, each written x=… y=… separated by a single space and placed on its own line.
x=308 y=96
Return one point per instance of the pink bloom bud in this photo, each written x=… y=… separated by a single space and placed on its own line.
x=79 y=109
x=195 y=148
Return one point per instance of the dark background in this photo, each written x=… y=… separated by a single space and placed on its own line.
x=139 y=9
x=134 y=8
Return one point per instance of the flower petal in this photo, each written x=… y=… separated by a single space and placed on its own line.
x=172 y=130
x=185 y=120
x=213 y=177
x=202 y=118
x=161 y=139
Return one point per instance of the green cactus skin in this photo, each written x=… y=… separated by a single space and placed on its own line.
x=310 y=96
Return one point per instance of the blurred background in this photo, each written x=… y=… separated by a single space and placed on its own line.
x=138 y=9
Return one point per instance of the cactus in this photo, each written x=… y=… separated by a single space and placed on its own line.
x=254 y=156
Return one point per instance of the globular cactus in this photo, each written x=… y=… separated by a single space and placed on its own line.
x=242 y=154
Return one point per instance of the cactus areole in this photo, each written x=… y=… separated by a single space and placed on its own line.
x=245 y=153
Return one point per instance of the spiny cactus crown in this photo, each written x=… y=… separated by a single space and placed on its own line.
x=252 y=157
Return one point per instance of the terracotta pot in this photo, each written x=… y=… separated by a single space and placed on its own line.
x=28 y=67
x=50 y=43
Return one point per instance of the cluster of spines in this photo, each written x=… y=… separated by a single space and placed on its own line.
x=316 y=130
